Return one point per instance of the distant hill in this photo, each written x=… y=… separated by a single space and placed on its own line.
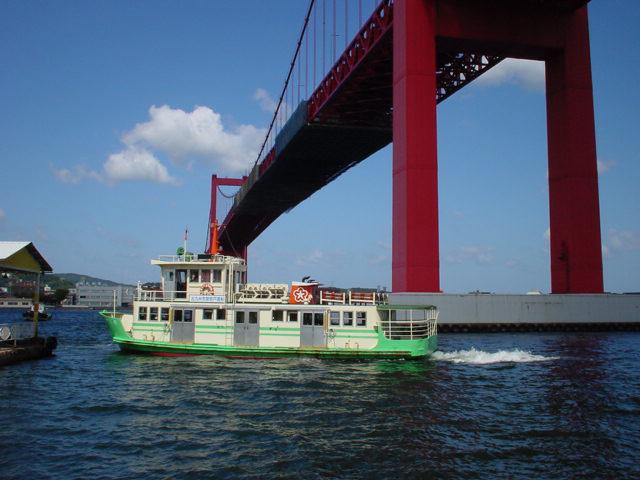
x=57 y=280
x=73 y=278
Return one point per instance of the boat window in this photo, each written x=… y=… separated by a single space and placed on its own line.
x=361 y=319
x=188 y=315
x=335 y=318
x=278 y=315
x=177 y=315
x=171 y=276
x=253 y=317
x=207 y=313
x=193 y=275
x=205 y=276
x=292 y=316
x=221 y=314
x=181 y=283
x=142 y=313
x=307 y=318
x=153 y=314
x=164 y=314
x=318 y=319
x=347 y=318
x=217 y=275
x=239 y=317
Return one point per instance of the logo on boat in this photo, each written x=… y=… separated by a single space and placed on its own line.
x=207 y=289
x=302 y=295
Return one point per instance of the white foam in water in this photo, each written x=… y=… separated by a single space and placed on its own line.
x=478 y=357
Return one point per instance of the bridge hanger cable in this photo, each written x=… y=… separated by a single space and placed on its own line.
x=286 y=82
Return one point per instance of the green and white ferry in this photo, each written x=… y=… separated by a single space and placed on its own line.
x=204 y=305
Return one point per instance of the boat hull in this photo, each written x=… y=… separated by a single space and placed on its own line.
x=385 y=348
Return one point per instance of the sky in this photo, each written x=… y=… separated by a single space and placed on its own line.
x=115 y=114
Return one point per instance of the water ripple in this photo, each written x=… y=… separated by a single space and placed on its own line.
x=502 y=405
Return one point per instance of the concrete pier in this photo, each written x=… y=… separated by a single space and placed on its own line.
x=522 y=313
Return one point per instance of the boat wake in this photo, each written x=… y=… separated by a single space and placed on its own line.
x=478 y=357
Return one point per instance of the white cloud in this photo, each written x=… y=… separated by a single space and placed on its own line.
x=605 y=165
x=181 y=136
x=528 y=74
x=313 y=258
x=623 y=241
x=136 y=164
x=512 y=263
x=199 y=133
x=75 y=174
x=131 y=164
x=266 y=102
x=478 y=254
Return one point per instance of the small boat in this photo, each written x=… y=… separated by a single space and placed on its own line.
x=42 y=313
x=204 y=305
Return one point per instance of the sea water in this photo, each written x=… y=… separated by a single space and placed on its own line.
x=548 y=405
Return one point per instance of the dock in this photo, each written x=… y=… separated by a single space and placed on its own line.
x=26 y=349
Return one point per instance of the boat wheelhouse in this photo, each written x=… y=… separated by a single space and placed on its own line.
x=203 y=305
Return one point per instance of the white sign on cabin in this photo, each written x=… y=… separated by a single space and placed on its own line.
x=206 y=298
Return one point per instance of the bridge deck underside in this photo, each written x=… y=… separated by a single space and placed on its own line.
x=354 y=123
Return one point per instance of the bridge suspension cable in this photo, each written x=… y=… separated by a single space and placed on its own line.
x=315 y=53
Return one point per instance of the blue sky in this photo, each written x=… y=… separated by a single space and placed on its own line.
x=99 y=170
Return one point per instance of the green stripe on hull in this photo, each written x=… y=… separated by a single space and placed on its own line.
x=385 y=348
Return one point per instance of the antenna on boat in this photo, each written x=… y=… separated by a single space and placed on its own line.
x=186 y=237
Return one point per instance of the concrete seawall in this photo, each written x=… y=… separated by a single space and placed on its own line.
x=494 y=312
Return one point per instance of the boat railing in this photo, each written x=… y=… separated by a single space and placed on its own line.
x=160 y=295
x=190 y=258
x=15 y=331
x=409 y=324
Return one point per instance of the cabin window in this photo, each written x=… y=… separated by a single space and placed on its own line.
x=307 y=318
x=217 y=275
x=207 y=314
x=221 y=314
x=188 y=315
x=205 y=276
x=164 y=314
x=239 y=317
x=335 y=318
x=347 y=318
x=318 y=319
x=292 y=316
x=278 y=316
x=253 y=317
x=153 y=314
x=142 y=313
x=171 y=276
x=177 y=315
x=193 y=275
x=361 y=319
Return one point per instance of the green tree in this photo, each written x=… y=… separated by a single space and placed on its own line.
x=60 y=294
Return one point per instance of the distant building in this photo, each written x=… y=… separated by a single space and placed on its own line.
x=101 y=296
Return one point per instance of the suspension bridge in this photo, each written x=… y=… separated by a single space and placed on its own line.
x=365 y=74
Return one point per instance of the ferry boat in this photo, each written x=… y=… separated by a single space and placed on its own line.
x=43 y=314
x=203 y=305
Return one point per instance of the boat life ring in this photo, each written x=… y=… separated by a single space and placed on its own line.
x=206 y=288
x=331 y=333
x=5 y=333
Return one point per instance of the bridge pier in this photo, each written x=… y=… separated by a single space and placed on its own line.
x=576 y=251
x=415 y=263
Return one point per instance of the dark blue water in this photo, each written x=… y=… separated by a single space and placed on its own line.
x=491 y=406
